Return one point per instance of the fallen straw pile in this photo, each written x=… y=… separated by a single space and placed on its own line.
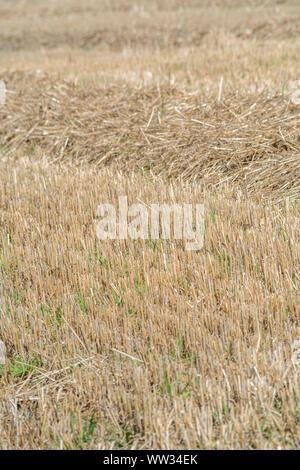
x=250 y=139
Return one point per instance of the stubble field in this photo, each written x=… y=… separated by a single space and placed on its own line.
x=141 y=344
